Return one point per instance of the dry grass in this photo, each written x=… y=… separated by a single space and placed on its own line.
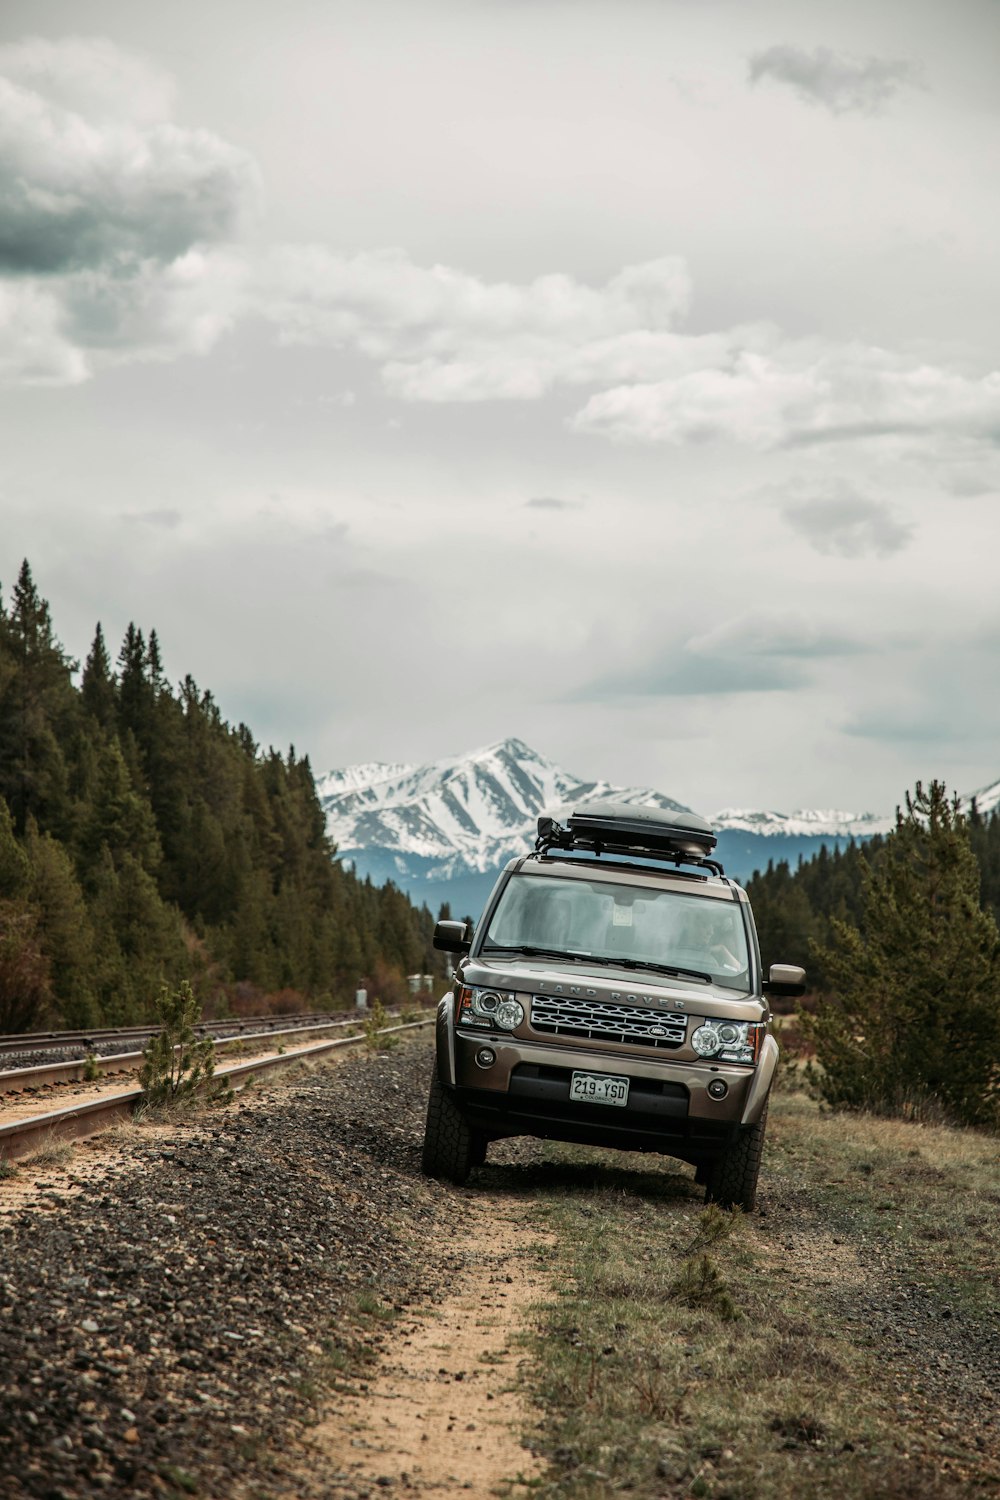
x=51 y=1151
x=691 y=1354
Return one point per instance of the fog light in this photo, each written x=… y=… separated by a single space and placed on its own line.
x=718 y=1088
x=486 y=1057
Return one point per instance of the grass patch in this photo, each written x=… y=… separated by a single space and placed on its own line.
x=51 y=1151
x=688 y=1354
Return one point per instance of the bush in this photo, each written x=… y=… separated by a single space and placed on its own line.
x=913 y=1016
x=373 y=1024
x=176 y=1060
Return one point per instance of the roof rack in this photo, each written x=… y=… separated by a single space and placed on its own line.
x=674 y=837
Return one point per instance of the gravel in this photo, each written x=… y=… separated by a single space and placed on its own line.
x=171 y=1328
x=174 y=1326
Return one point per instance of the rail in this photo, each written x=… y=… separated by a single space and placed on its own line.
x=87 y=1069
x=77 y=1122
x=61 y=1041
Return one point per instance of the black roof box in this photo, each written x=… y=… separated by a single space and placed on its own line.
x=617 y=828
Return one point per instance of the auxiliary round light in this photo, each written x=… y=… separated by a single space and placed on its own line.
x=705 y=1041
x=509 y=1014
x=729 y=1033
x=487 y=1001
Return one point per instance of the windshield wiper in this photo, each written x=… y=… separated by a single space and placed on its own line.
x=532 y=952
x=644 y=963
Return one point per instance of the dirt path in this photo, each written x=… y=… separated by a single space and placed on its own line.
x=442 y=1415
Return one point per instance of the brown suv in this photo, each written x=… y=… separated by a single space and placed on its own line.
x=612 y=995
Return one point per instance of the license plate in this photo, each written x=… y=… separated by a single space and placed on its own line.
x=599 y=1088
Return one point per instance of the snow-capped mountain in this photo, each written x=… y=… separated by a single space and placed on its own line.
x=806 y=822
x=460 y=815
x=443 y=830
x=987 y=800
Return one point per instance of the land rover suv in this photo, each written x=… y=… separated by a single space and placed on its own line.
x=611 y=994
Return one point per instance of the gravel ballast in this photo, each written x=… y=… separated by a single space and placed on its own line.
x=169 y=1328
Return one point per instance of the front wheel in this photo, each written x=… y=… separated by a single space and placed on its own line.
x=451 y=1146
x=733 y=1180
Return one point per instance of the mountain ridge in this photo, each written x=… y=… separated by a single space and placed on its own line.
x=442 y=830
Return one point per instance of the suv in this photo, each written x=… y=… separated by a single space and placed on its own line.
x=611 y=997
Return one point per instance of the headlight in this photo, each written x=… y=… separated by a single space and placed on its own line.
x=510 y=1014
x=495 y=1008
x=729 y=1041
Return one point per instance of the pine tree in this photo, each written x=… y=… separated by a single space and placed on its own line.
x=97 y=687
x=913 y=1016
x=64 y=928
x=37 y=707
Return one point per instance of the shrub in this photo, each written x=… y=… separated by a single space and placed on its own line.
x=373 y=1024
x=176 y=1060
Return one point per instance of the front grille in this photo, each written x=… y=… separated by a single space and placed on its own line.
x=558 y=1015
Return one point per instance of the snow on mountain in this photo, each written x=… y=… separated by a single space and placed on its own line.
x=806 y=822
x=463 y=813
x=987 y=800
x=443 y=830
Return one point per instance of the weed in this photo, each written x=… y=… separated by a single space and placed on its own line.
x=714 y=1226
x=91 y=1072
x=51 y=1152
x=179 y=1479
x=7 y=1168
x=370 y=1306
x=700 y=1284
x=652 y=1394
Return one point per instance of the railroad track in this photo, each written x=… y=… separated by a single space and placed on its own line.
x=79 y=1121
x=93 y=1065
x=88 y=1041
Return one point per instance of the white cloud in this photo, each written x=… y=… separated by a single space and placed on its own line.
x=34 y=350
x=110 y=214
x=91 y=77
x=120 y=242
x=837 y=81
x=442 y=334
x=797 y=394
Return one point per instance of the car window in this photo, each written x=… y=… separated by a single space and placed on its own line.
x=598 y=919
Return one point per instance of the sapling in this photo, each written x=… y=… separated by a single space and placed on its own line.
x=176 y=1060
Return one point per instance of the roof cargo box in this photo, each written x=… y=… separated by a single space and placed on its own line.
x=615 y=826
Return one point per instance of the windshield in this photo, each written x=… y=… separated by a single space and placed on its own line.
x=621 y=924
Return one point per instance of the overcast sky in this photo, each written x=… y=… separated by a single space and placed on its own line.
x=623 y=376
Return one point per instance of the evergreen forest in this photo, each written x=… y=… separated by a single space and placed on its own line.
x=796 y=910
x=144 y=840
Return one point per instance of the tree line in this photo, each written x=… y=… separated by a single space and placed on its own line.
x=900 y=942
x=795 y=909
x=144 y=840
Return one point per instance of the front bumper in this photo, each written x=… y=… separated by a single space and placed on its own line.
x=525 y=1091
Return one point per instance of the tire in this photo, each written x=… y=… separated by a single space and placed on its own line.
x=451 y=1146
x=733 y=1182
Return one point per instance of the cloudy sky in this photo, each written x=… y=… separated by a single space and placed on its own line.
x=619 y=374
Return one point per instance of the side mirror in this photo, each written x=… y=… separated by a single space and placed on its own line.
x=787 y=980
x=452 y=937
